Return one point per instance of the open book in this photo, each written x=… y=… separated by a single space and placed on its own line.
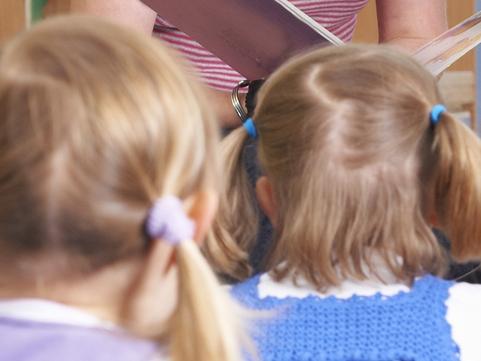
x=255 y=36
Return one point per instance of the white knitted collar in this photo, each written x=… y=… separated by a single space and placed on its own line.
x=268 y=287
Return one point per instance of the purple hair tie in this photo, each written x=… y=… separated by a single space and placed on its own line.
x=167 y=221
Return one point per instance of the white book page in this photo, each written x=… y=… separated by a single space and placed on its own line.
x=310 y=22
x=444 y=50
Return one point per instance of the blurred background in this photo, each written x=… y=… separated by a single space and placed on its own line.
x=460 y=84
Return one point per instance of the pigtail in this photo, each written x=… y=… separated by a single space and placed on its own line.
x=236 y=225
x=457 y=185
x=205 y=325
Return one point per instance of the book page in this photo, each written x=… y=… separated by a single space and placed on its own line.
x=253 y=36
x=444 y=50
x=333 y=39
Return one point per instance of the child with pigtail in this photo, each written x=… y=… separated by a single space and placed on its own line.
x=108 y=174
x=360 y=160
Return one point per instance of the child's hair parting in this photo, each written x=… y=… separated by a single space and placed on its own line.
x=356 y=165
x=98 y=122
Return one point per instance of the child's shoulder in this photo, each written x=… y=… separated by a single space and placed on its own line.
x=464 y=316
x=48 y=330
x=464 y=303
x=463 y=290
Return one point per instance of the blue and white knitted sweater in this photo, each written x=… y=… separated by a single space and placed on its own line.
x=407 y=326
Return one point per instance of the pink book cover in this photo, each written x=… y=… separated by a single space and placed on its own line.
x=253 y=36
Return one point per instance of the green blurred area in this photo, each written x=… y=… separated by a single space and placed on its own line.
x=37 y=9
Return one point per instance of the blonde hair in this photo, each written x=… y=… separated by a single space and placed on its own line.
x=356 y=166
x=97 y=122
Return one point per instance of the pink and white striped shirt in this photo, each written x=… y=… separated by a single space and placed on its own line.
x=339 y=17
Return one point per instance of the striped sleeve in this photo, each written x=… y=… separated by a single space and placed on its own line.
x=339 y=17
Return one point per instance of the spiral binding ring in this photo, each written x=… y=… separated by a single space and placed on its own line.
x=234 y=97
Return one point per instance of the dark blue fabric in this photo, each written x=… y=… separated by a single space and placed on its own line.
x=265 y=233
x=463 y=272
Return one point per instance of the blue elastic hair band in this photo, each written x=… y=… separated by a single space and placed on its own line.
x=250 y=128
x=436 y=113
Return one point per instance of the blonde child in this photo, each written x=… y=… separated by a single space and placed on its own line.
x=108 y=172
x=360 y=160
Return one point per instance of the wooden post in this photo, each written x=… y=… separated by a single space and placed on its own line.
x=56 y=7
x=12 y=18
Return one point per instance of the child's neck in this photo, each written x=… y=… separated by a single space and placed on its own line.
x=377 y=272
x=101 y=294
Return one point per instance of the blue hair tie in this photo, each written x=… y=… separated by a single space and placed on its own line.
x=250 y=128
x=436 y=113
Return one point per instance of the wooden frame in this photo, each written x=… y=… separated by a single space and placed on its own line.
x=12 y=18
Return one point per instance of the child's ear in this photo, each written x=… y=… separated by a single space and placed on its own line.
x=202 y=208
x=265 y=197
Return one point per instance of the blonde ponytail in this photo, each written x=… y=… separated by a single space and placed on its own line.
x=457 y=188
x=236 y=224
x=205 y=325
x=129 y=147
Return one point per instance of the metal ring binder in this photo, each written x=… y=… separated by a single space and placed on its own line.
x=239 y=109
